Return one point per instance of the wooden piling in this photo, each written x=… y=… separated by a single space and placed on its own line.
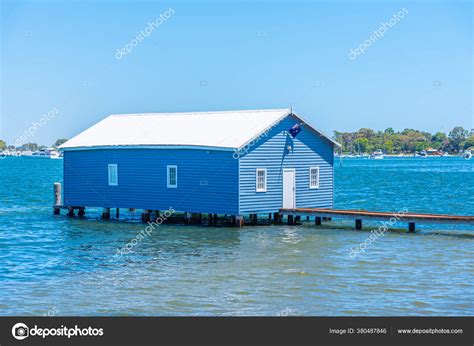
x=290 y=220
x=146 y=215
x=117 y=213
x=276 y=218
x=57 y=199
x=81 y=212
x=209 y=216
x=358 y=224
x=70 y=211
x=317 y=221
x=411 y=227
x=239 y=221
x=188 y=218
x=105 y=213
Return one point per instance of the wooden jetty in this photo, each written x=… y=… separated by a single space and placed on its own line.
x=359 y=215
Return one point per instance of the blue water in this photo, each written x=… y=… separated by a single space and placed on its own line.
x=60 y=266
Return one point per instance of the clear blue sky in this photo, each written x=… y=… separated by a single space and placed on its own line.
x=236 y=55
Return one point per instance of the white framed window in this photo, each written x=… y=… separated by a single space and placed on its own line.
x=313 y=177
x=172 y=176
x=261 y=180
x=113 y=174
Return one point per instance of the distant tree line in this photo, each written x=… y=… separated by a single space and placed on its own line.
x=367 y=140
x=407 y=141
x=30 y=146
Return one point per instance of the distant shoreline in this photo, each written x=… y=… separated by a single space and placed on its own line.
x=363 y=141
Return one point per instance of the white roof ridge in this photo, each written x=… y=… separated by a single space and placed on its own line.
x=203 y=112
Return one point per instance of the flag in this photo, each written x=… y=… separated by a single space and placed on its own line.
x=295 y=130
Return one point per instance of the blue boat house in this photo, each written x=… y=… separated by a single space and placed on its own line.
x=230 y=163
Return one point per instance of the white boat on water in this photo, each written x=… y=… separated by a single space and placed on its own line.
x=39 y=154
x=467 y=154
x=56 y=155
x=5 y=153
x=377 y=155
x=44 y=154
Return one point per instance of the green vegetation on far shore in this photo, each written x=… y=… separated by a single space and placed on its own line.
x=367 y=141
x=407 y=141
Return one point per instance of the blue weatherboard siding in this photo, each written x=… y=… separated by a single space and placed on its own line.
x=269 y=152
x=207 y=180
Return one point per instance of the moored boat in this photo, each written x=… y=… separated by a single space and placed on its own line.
x=377 y=155
x=49 y=153
x=56 y=155
x=467 y=154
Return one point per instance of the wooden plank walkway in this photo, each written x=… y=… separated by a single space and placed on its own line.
x=360 y=215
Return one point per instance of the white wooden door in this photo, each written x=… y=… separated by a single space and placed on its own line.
x=289 y=188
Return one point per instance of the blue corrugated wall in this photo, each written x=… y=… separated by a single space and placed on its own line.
x=269 y=152
x=207 y=182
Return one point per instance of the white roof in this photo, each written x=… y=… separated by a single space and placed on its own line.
x=226 y=130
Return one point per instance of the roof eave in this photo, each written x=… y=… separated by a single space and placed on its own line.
x=113 y=147
x=319 y=132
